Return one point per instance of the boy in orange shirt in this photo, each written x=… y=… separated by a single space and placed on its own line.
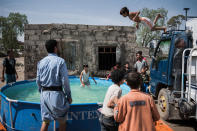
x=135 y=111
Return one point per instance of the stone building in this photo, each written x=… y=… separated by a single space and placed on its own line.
x=98 y=46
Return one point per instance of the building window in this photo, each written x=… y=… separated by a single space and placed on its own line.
x=70 y=55
x=107 y=57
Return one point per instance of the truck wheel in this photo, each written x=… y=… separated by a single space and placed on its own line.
x=163 y=105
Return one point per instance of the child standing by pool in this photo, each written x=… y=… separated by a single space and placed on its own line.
x=145 y=80
x=84 y=77
x=114 y=92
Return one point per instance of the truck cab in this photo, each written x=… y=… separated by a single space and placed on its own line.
x=162 y=68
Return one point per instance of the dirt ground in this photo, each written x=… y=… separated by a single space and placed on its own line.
x=181 y=125
x=176 y=125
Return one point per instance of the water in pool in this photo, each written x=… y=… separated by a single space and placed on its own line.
x=96 y=93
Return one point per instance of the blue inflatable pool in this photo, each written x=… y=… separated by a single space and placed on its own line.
x=22 y=115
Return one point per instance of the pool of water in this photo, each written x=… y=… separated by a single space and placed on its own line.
x=95 y=93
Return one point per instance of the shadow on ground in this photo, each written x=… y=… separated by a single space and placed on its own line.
x=183 y=125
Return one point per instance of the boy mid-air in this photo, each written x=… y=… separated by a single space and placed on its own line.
x=134 y=16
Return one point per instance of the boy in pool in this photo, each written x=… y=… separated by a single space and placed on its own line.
x=84 y=77
x=114 y=91
x=134 y=16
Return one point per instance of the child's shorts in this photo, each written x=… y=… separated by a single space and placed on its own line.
x=147 y=22
x=87 y=83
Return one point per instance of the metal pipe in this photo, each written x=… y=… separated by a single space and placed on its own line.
x=196 y=111
x=183 y=68
x=190 y=65
x=189 y=81
x=195 y=92
x=11 y=119
x=11 y=100
x=186 y=9
x=12 y=125
x=54 y=126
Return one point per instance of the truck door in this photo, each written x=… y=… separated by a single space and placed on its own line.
x=159 y=65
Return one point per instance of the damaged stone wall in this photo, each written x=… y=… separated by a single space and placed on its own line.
x=78 y=45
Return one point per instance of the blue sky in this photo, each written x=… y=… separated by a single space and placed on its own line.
x=93 y=12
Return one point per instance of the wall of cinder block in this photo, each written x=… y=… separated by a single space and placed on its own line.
x=85 y=38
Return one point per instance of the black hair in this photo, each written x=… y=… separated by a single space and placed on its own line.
x=50 y=45
x=117 y=76
x=8 y=52
x=126 y=63
x=178 y=40
x=139 y=52
x=118 y=64
x=124 y=10
x=134 y=79
x=85 y=65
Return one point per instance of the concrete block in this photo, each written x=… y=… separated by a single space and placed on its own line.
x=32 y=27
x=66 y=32
x=111 y=38
x=99 y=34
x=73 y=32
x=85 y=33
x=45 y=26
x=121 y=39
x=58 y=26
x=117 y=28
x=122 y=34
x=69 y=26
x=38 y=32
x=103 y=27
x=29 y=42
x=114 y=33
x=101 y=38
x=131 y=38
x=26 y=37
x=55 y=35
x=34 y=37
x=82 y=27
x=130 y=34
x=90 y=38
x=40 y=42
x=93 y=27
x=30 y=32
x=45 y=37
x=128 y=28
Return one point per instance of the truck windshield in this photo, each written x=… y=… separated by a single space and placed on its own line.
x=163 y=50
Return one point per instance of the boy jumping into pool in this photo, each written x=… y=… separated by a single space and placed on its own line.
x=134 y=16
x=84 y=77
